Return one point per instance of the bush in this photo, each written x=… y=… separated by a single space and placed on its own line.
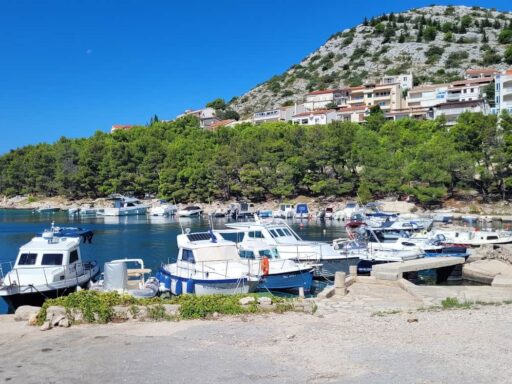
x=505 y=36
x=508 y=55
x=429 y=34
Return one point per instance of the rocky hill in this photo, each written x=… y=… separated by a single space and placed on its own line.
x=434 y=43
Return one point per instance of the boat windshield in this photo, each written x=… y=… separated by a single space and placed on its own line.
x=270 y=253
x=27 y=259
x=52 y=259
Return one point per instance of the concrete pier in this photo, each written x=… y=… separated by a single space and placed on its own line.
x=394 y=271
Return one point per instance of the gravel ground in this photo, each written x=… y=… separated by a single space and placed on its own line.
x=358 y=338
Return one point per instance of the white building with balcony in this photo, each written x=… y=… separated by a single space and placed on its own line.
x=277 y=114
x=427 y=96
x=206 y=116
x=452 y=110
x=468 y=90
x=321 y=99
x=503 y=96
x=318 y=117
x=405 y=81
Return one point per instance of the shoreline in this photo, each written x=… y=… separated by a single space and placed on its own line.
x=501 y=210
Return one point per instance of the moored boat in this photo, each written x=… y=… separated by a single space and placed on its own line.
x=124 y=206
x=190 y=211
x=46 y=267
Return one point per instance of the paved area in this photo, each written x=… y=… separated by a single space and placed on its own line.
x=372 y=335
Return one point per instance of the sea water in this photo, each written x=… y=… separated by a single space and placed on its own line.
x=152 y=239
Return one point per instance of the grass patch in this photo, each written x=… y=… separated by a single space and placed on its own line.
x=454 y=303
x=97 y=307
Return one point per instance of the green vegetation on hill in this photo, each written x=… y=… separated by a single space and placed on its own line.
x=179 y=160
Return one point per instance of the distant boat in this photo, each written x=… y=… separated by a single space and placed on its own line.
x=302 y=211
x=285 y=211
x=190 y=211
x=47 y=209
x=163 y=209
x=241 y=210
x=124 y=206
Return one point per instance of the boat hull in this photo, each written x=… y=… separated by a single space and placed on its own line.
x=287 y=281
x=123 y=211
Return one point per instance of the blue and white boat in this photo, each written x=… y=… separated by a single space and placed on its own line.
x=302 y=211
x=280 y=274
x=207 y=265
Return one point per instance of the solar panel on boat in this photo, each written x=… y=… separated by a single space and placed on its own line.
x=199 y=236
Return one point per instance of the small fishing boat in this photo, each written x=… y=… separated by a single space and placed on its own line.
x=163 y=208
x=241 y=210
x=127 y=276
x=285 y=211
x=265 y=214
x=329 y=213
x=124 y=206
x=190 y=211
x=473 y=238
x=48 y=266
x=207 y=265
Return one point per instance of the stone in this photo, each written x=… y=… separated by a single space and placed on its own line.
x=32 y=320
x=120 y=312
x=412 y=320
x=264 y=300
x=55 y=311
x=290 y=337
x=246 y=300
x=55 y=320
x=172 y=310
x=267 y=307
x=24 y=312
x=47 y=325
x=65 y=323
x=326 y=293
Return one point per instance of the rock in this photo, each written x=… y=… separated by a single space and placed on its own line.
x=264 y=300
x=172 y=310
x=215 y=315
x=246 y=300
x=55 y=320
x=32 y=320
x=290 y=337
x=267 y=307
x=76 y=316
x=120 y=312
x=412 y=320
x=54 y=311
x=24 y=312
x=65 y=323
x=327 y=292
x=47 y=325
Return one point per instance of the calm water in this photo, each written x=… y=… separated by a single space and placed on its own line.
x=152 y=239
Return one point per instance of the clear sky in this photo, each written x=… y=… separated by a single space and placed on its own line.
x=71 y=67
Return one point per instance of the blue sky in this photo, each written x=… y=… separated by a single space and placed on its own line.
x=69 y=67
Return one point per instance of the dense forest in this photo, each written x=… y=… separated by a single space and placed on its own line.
x=423 y=159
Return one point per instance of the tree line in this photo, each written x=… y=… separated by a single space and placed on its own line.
x=177 y=160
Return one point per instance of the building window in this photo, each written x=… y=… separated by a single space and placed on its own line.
x=498 y=87
x=497 y=99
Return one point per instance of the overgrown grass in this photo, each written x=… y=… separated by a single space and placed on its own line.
x=454 y=303
x=385 y=313
x=97 y=307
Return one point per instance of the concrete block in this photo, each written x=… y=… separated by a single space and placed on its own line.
x=24 y=312
x=246 y=300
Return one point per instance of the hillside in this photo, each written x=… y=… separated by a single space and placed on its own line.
x=434 y=43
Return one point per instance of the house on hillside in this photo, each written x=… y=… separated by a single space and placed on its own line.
x=476 y=73
x=277 y=114
x=206 y=116
x=323 y=98
x=426 y=96
x=468 y=90
x=318 y=117
x=356 y=114
x=452 y=110
x=405 y=80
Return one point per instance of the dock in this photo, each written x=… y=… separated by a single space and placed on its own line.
x=394 y=271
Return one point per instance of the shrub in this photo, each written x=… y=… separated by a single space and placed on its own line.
x=508 y=55
x=505 y=36
x=429 y=34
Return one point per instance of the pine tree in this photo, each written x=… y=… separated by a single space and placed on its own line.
x=365 y=21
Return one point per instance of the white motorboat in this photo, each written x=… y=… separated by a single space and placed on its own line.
x=190 y=211
x=285 y=211
x=241 y=210
x=46 y=267
x=84 y=210
x=346 y=213
x=473 y=238
x=118 y=276
x=47 y=209
x=207 y=265
x=163 y=209
x=329 y=213
x=276 y=233
x=124 y=206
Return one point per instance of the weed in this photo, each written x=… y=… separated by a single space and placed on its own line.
x=454 y=303
x=384 y=313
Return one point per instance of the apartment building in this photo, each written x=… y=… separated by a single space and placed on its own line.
x=317 y=117
x=206 y=116
x=452 y=110
x=503 y=92
x=321 y=99
x=405 y=81
x=468 y=90
x=277 y=114
x=426 y=96
x=476 y=73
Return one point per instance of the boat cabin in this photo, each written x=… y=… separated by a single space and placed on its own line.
x=204 y=247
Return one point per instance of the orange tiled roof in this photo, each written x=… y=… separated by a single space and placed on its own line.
x=221 y=123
